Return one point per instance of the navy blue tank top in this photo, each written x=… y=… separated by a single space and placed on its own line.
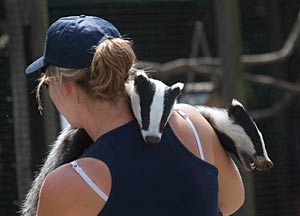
x=164 y=179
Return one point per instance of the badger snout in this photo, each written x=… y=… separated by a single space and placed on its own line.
x=152 y=139
x=262 y=163
x=259 y=162
x=151 y=136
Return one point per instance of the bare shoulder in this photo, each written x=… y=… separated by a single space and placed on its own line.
x=213 y=150
x=210 y=139
x=64 y=192
x=185 y=134
x=229 y=179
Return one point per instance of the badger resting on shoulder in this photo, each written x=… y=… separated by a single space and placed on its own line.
x=152 y=103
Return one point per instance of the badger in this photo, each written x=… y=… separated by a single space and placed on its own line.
x=239 y=135
x=152 y=103
x=236 y=130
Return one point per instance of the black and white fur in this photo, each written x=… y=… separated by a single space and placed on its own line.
x=239 y=135
x=152 y=104
x=69 y=145
x=236 y=130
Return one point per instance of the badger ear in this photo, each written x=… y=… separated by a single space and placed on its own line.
x=140 y=78
x=235 y=102
x=236 y=109
x=176 y=89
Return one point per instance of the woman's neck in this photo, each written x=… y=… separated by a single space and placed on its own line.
x=99 y=118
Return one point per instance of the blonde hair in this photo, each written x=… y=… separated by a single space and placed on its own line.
x=110 y=69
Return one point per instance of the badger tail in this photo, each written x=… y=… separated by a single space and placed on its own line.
x=29 y=206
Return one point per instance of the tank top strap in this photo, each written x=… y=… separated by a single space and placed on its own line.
x=88 y=180
x=189 y=121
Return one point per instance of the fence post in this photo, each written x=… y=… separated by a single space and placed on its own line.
x=22 y=139
x=38 y=25
x=233 y=86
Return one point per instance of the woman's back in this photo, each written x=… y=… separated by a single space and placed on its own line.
x=163 y=179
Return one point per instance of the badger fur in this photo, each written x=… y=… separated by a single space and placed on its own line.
x=239 y=135
x=236 y=130
x=69 y=145
x=152 y=103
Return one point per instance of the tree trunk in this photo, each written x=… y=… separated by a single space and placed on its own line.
x=27 y=35
x=22 y=138
x=47 y=124
x=229 y=40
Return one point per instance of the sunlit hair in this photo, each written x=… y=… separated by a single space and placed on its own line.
x=111 y=67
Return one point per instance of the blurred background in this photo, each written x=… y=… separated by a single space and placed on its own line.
x=247 y=49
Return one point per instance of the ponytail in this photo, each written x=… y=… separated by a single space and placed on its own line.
x=110 y=68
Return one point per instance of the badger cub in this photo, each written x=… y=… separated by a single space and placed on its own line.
x=153 y=103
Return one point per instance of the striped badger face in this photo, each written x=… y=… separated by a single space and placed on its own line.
x=254 y=154
x=152 y=104
x=241 y=137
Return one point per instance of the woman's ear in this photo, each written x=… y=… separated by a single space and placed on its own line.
x=68 y=87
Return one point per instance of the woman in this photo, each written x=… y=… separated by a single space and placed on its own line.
x=87 y=64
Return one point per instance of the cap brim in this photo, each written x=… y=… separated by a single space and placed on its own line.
x=36 y=65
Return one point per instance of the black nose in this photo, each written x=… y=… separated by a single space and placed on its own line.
x=264 y=165
x=152 y=139
x=268 y=165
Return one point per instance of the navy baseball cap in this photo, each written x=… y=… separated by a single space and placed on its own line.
x=70 y=42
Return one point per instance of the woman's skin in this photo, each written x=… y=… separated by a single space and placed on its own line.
x=64 y=193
